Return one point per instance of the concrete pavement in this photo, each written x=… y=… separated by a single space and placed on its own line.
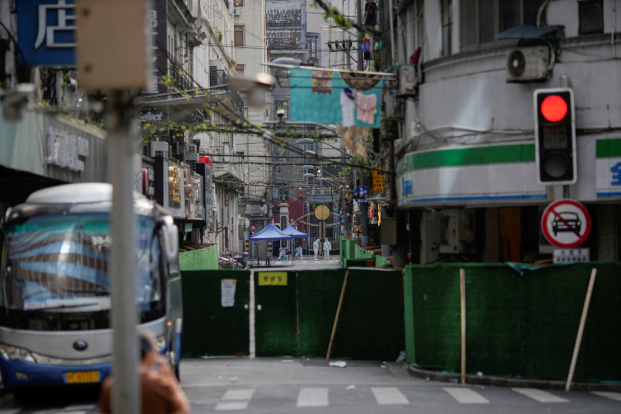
x=300 y=385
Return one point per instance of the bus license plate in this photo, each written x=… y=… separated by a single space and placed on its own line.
x=82 y=376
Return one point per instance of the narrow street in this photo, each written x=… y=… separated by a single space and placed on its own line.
x=285 y=385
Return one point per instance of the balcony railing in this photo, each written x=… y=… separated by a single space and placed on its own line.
x=177 y=73
x=220 y=77
x=224 y=162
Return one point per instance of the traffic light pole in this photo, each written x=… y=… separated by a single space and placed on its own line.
x=124 y=318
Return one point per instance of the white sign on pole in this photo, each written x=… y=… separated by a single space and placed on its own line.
x=571 y=255
x=228 y=292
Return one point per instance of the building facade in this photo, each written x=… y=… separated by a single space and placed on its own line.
x=465 y=150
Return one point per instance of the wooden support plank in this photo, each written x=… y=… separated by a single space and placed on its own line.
x=338 y=313
x=585 y=311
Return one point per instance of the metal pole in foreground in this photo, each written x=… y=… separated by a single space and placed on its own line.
x=124 y=318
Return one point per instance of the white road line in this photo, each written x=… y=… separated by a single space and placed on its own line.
x=313 y=397
x=466 y=396
x=9 y=410
x=539 y=395
x=80 y=407
x=389 y=396
x=238 y=395
x=231 y=406
x=608 y=394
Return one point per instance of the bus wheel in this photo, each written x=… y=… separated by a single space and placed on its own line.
x=21 y=396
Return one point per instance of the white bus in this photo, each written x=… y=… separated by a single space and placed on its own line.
x=55 y=286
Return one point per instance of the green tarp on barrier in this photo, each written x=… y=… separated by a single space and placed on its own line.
x=296 y=319
x=517 y=325
x=208 y=328
x=202 y=259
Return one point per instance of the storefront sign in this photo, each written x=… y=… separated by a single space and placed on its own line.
x=571 y=255
x=46 y=32
x=63 y=149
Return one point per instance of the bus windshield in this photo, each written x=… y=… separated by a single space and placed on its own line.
x=59 y=264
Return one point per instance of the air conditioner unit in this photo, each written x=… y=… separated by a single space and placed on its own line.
x=190 y=148
x=407 y=81
x=526 y=64
x=160 y=149
x=237 y=11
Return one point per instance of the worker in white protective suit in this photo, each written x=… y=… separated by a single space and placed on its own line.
x=316 y=248
x=326 y=249
x=282 y=252
x=298 y=251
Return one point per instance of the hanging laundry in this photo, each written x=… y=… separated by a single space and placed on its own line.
x=348 y=105
x=366 y=49
x=371 y=14
x=415 y=56
x=354 y=139
x=366 y=105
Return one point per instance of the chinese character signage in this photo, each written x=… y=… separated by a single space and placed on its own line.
x=571 y=255
x=46 y=32
x=273 y=279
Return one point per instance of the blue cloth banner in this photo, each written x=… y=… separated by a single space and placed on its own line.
x=316 y=97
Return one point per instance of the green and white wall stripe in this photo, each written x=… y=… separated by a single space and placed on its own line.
x=488 y=174
x=608 y=168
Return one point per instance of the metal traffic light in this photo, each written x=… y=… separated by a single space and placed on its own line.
x=555 y=136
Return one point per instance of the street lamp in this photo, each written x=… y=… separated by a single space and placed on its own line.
x=304 y=141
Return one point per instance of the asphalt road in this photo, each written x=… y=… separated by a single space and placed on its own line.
x=287 y=385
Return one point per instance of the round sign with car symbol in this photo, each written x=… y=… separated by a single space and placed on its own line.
x=566 y=223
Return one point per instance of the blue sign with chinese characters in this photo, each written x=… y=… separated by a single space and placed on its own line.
x=616 y=174
x=46 y=32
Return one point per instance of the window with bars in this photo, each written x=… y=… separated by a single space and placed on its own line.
x=447 y=27
x=482 y=20
x=591 y=16
x=239 y=35
x=239 y=3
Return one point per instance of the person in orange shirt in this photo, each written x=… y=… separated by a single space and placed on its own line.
x=161 y=392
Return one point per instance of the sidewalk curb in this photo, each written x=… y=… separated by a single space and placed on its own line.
x=6 y=398
x=510 y=382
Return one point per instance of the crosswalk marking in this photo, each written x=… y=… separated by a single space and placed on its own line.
x=313 y=397
x=389 y=396
x=539 y=395
x=230 y=406
x=79 y=407
x=608 y=394
x=466 y=396
x=238 y=395
x=235 y=400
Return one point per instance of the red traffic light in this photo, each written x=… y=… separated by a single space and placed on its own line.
x=554 y=108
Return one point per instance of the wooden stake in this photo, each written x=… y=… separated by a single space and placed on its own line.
x=585 y=311
x=338 y=313
x=462 y=285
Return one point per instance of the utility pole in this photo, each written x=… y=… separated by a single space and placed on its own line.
x=360 y=39
x=118 y=62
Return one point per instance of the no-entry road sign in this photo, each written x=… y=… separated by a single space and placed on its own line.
x=566 y=223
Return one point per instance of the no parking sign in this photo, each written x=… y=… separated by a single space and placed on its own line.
x=566 y=224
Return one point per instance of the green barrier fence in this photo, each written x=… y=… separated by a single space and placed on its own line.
x=518 y=325
x=208 y=327
x=201 y=259
x=296 y=319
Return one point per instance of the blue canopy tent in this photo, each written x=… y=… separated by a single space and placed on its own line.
x=295 y=233
x=271 y=233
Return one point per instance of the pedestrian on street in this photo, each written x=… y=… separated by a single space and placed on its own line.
x=316 y=248
x=161 y=392
x=282 y=252
x=298 y=252
x=326 y=249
